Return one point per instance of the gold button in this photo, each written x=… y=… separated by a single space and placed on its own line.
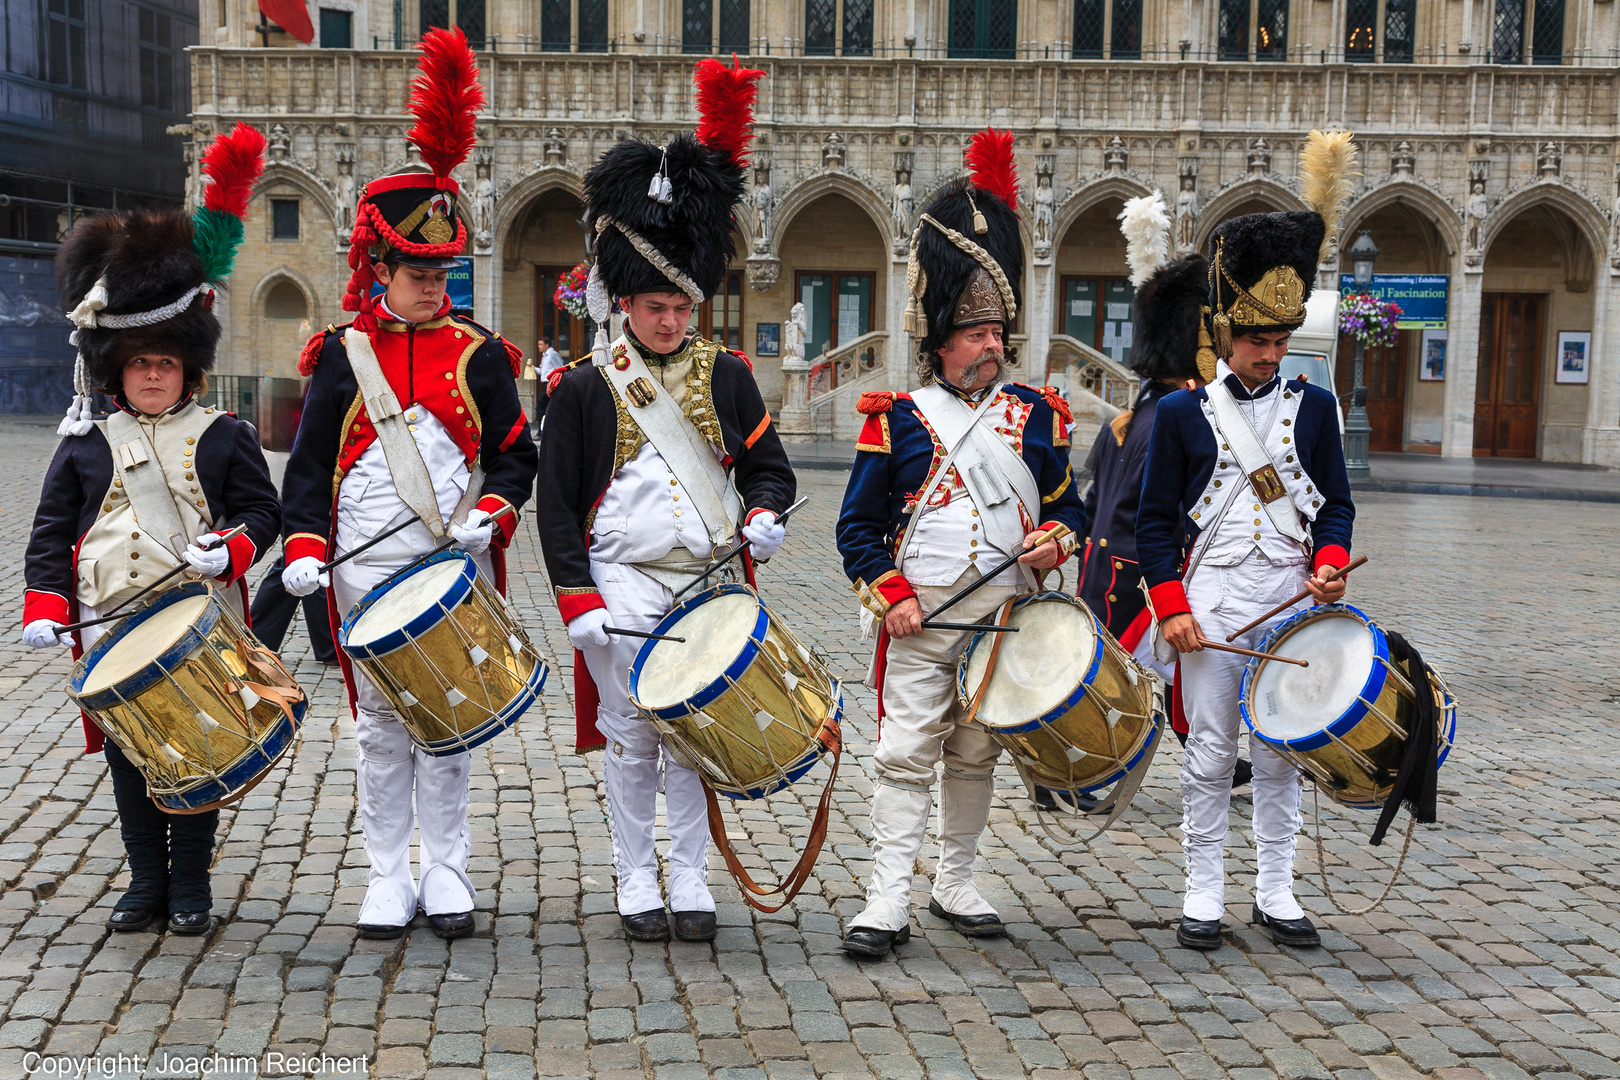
x=1298 y=476
x=118 y=483
x=201 y=503
x=455 y=393
x=114 y=495
x=1111 y=598
x=194 y=491
x=1290 y=457
x=449 y=375
x=1257 y=506
x=1288 y=423
x=190 y=476
x=460 y=409
x=1225 y=447
x=1206 y=498
x=1316 y=502
x=134 y=555
x=1287 y=439
x=1118 y=565
x=106 y=506
x=190 y=441
x=1217 y=483
x=458 y=335
x=1103 y=542
x=1223 y=464
x=975 y=513
x=973 y=557
x=134 y=536
x=469 y=423
x=411 y=426
x=1288 y=394
x=975 y=528
x=357 y=427
x=1195 y=513
x=1257 y=536
x=973 y=543
x=134 y=573
x=1309 y=489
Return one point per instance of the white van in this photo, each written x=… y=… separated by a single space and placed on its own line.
x=1312 y=347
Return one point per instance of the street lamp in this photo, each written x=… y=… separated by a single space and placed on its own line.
x=1363 y=254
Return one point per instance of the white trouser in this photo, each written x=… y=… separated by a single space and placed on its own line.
x=922 y=725
x=388 y=769
x=1222 y=599
x=637 y=763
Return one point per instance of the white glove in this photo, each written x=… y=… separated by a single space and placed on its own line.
x=41 y=634
x=589 y=631
x=303 y=576
x=209 y=562
x=475 y=533
x=764 y=535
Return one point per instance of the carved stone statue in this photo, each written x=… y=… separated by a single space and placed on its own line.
x=555 y=148
x=1477 y=209
x=1045 y=213
x=280 y=142
x=764 y=211
x=484 y=211
x=345 y=192
x=905 y=204
x=1116 y=156
x=1187 y=215
x=832 y=151
x=1259 y=156
x=1402 y=160
x=795 y=332
x=1550 y=161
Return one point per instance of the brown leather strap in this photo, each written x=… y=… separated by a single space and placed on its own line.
x=990 y=666
x=830 y=738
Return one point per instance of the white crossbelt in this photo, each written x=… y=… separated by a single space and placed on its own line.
x=678 y=441
x=405 y=464
x=1256 y=463
x=144 y=483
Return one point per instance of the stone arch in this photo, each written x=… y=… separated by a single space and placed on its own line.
x=515 y=202
x=1259 y=189
x=1587 y=223
x=807 y=191
x=1427 y=204
x=1084 y=198
x=307 y=183
x=274 y=278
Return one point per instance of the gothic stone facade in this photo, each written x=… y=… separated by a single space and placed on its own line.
x=1501 y=178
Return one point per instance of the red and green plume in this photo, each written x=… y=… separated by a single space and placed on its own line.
x=725 y=104
x=232 y=164
x=445 y=99
x=989 y=158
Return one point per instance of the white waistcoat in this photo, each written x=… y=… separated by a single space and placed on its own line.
x=1247 y=529
x=368 y=502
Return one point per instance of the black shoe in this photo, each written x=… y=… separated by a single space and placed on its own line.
x=191 y=922
x=1298 y=932
x=1199 y=933
x=131 y=920
x=451 y=926
x=865 y=941
x=647 y=925
x=1242 y=774
x=970 y=925
x=1047 y=799
x=375 y=932
x=695 y=925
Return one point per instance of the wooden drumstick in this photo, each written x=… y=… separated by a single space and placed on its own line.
x=1056 y=532
x=1241 y=651
x=113 y=615
x=1296 y=598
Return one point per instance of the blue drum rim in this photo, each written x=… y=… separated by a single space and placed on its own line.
x=509 y=714
x=794 y=772
x=1445 y=749
x=1075 y=696
x=422 y=623
x=208 y=791
x=1358 y=709
x=708 y=694
x=156 y=669
x=1155 y=732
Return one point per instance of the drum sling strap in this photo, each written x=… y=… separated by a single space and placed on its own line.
x=144 y=482
x=405 y=464
x=831 y=739
x=1417 y=782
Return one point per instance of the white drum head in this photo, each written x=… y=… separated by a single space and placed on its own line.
x=716 y=632
x=404 y=602
x=1038 y=667
x=1289 y=702
x=135 y=650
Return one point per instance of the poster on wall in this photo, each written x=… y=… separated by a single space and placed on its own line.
x=1422 y=297
x=767 y=339
x=1574 y=356
x=1432 y=360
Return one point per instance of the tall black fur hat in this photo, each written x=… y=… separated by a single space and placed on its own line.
x=145 y=260
x=1254 y=246
x=957 y=288
x=1167 y=315
x=662 y=215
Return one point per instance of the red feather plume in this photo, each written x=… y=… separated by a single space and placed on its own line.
x=725 y=103
x=989 y=158
x=445 y=98
x=233 y=163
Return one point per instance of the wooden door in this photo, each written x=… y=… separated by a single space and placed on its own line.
x=1508 y=389
x=1383 y=373
x=571 y=337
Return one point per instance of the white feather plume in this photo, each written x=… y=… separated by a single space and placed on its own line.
x=1146 y=225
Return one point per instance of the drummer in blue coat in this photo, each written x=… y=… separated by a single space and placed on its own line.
x=949 y=479
x=1244 y=502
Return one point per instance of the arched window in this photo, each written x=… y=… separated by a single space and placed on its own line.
x=984 y=29
x=285 y=300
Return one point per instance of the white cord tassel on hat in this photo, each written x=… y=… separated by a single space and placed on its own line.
x=83 y=317
x=660 y=188
x=600 y=305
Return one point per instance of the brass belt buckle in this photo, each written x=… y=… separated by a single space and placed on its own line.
x=1267 y=484
x=641 y=392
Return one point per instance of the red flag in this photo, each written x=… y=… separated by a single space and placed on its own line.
x=291 y=15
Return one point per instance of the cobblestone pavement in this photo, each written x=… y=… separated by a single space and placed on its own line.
x=1497 y=955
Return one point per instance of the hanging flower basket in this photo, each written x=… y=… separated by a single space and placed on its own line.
x=570 y=294
x=1368 y=319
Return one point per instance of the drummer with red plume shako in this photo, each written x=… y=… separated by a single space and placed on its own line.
x=658 y=452
x=415 y=411
x=1245 y=501
x=949 y=480
x=152 y=485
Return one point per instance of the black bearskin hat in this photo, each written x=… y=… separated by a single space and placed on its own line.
x=1166 y=318
x=693 y=231
x=145 y=259
x=950 y=270
x=1250 y=248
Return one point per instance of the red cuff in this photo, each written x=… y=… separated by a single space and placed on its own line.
x=576 y=602
x=1332 y=555
x=1063 y=553
x=45 y=605
x=304 y=546
x=506 y=525
x=1169 y=599
x=894 y=589
x=755 y=512
x=243 y=554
